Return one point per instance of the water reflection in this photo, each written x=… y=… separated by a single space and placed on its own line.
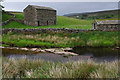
x=97 y=54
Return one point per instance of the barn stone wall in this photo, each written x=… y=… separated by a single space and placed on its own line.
x=29 y=16
x=46 y=17
x=39 y=17
x=108 y=27
x=12 y=19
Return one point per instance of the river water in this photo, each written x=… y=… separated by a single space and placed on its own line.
x=96 y=54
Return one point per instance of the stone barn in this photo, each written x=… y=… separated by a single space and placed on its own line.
x=39 y=16
x=106 y=25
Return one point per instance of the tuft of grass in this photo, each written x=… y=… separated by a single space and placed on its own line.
x=24 y=68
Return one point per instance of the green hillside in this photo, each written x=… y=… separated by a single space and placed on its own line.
x=5 y=16
x=62 y=22
x=19 y=15
x=108 y=14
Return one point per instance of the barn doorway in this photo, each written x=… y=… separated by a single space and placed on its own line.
x=47 y=22
x=55 y=22
x=38 y=23
x=94 y=26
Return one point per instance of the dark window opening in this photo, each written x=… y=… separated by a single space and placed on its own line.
x=94 y=26
x=38 y=23
x=47 y=22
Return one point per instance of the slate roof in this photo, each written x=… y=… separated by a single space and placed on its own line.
x=108 y=22
x=41 y=7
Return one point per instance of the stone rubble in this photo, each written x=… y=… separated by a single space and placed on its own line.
x=60 y=51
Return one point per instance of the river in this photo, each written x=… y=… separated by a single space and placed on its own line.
x=96 y=54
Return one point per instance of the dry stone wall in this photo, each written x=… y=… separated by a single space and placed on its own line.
x=12 y=19
x=113 y=27
x=47 y=30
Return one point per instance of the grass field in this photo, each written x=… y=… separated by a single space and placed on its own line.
x=49 y=40
x=18 y=15
x=5 y=16
x=24 y=68
x=62 y=22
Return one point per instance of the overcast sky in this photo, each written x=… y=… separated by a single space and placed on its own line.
x=64 y=7
x=61 y=0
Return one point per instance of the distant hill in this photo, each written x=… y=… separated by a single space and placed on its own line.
x=95 y=15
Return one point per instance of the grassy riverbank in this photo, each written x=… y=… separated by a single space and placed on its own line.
x=49 y=40
x=42 y=69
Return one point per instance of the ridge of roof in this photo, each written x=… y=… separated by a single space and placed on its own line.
x=41 y=7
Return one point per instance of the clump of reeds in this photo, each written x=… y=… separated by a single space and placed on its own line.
x=43 y=69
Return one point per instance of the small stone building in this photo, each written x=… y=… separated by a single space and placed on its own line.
x=106 y=25
x=39 y=16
